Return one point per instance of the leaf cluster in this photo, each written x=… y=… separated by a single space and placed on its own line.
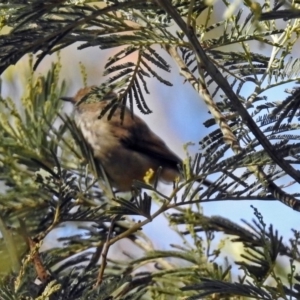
x=52 y=182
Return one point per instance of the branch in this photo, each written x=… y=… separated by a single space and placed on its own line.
x=229 y=137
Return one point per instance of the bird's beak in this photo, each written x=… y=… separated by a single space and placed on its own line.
x=67 y=99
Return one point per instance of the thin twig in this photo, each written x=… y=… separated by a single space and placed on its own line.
x=104 y=253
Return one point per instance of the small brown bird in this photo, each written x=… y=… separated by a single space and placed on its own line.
x=126 y=150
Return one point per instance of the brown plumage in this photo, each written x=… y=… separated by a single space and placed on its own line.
x=126 y=150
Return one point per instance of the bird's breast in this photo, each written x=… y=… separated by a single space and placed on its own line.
x=89 y=130
x=95 y=131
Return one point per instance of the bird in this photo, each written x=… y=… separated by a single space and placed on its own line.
x=126 y=149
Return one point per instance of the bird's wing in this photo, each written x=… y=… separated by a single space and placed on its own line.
x=135 y=134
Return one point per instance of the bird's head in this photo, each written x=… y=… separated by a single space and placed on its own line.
x=89 y=95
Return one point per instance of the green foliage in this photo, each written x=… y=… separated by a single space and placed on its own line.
x=51 y=181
